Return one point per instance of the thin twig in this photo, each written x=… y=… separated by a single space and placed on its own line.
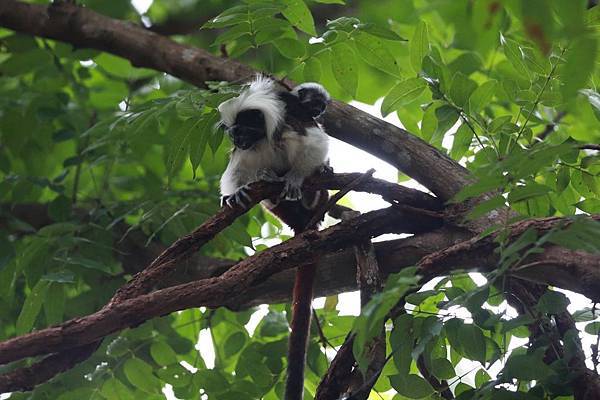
x=336 y=197
x=537 y=100
x=324 y=341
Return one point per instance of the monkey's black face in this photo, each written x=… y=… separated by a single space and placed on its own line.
x=313 y=101
x=249 y=128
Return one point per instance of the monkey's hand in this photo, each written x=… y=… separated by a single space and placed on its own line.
x=239 y=199
x=292 y=190
x=268 y=175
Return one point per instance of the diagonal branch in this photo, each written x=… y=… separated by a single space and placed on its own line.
x=212 y=292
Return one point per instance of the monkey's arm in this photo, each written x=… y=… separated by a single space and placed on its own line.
x=307 y=153
x=234 y=181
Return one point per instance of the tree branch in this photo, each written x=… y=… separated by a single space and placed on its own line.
x=212 y=292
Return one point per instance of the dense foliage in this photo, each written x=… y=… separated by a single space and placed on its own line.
x=107 y=153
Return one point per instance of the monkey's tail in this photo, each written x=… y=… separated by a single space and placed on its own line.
x=298 y=215
x=300 y=331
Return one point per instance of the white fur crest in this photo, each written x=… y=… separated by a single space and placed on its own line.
x=261 y=95
x=314 y=86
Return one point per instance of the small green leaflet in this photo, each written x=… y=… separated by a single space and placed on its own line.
x=31 y=307
x=312 y=70
x=379 y=31
x=140 y=375
x=290 y=48
x=54 y=303
x=200 y=136
x=580 y=56
x=419 y=46
x=403 y=93
x=515 y=55
x=344 y=67
x=411 y=386
x=482 y=96
x=299 y=15
x=528 y=191
x=162 y=353
x=462 y=141
x=461 y=89
x=373 y=51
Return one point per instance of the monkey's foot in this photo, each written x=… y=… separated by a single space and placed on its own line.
x=292 y=189
x=268 y=175
x=240 y=198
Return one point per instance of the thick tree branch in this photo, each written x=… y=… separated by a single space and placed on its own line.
x=162 y=267
x=82 y=27
x=212 y=292
x=557 y=266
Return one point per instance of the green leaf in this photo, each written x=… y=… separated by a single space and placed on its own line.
x=402 y=342
x=526 y=366
x=481 y=97
x=86 y=263
x=372 y=50
x=299 y=15
x=528 y=191
x=235 y=343
x=370 y=322
x=466 y=63
x=60 y=208
x=411 y=386
x=552 y=302
x=486 y=206
x=563 y=178
x=31 y=307
x=472 y=342
x=403 y=93
x=201 y=135
x=593 y=328
x=115 y=389
x=290 y=48
x=344 y=67
x=516 y=56
x=591 y=206
x=162 y=353
x=54 y=303
x=140 y=375
x=594 y=99
x=584 y=315
x=579 y=65
x=179 y=145
x=442 y=368
x=7 y=251
x=241 y=29
x=461 y=89
x=419 y=46
x=312 y=70
x=379 y=31
x=462 y=141
x=482 y=377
